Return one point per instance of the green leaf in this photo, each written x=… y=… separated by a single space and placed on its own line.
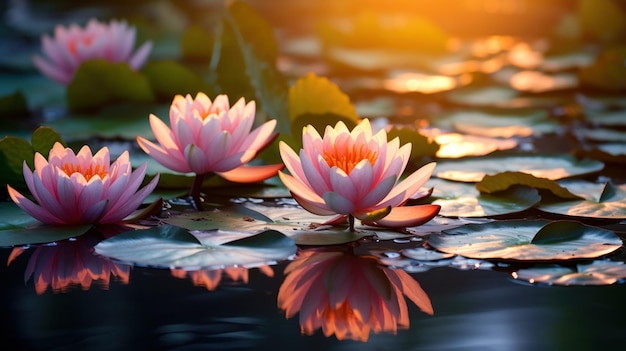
x=169 y=78
x=44 y=138
x=314 y=95
x=502 y=181
x=607 y=70
x=197 y=44
x=600 y=201
x=552 y=166
x=421 y=145
x=13 y=106
x=602 y=20
x=254 y=39
x=559 y=231
x=512 y=240
x=13 y=152
x=19 y=228
x=99 y=82
x=173 y=247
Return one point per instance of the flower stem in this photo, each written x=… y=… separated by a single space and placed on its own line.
x=194 y=193
x=351 y=222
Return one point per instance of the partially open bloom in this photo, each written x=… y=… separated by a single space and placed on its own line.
x=211 y=279
x=67 y=264
x=73 y=45
x=355 y=174
x=211 y=137
x=348 y=295
x=82 y=188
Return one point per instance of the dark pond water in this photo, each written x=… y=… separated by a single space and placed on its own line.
x=475 y=309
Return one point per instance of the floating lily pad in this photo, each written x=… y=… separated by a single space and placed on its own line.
x=603 y=272
x=423 y=254
x=174 y=247
x=455 y=145
x=301 y=226
x=464 y=200
x=602 y=134
x=606 y=201
x=502 y=181
x=496 y=123
x=523 y=240
x=483 y=95
x=543 y=166
x=19 y=228
x=616 y=118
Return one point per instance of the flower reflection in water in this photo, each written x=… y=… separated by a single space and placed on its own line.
x=348 y=295
x=67 y=264
x=211 y=279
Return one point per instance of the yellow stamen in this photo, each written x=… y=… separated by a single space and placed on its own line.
x=346 y=159
x=92 y=170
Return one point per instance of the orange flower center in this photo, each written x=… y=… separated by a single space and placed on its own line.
x=346 y=159
x=73 y=45
x=93 y=170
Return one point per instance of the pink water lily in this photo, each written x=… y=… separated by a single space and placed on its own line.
x=347 y=295
x=82 y=188
x=211 y=137
x=73 y=45
x=355 y=174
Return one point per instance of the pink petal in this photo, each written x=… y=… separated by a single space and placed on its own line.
x=162 y=157
x=55 y=73
x=140 y=56
x=409 y=186
x=407 y=216
x=31 y=208
x=251 y=174
x=338 y=203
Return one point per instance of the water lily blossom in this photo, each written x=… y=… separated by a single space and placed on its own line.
x=73 y=45
x=355 y=174
x=82 y=188
x=211 y=137
x=347 y=295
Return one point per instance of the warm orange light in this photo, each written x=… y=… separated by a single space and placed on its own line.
x=418 y=82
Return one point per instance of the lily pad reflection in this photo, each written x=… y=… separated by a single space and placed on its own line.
x=596 y=273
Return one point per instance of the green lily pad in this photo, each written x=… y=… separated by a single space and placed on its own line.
x=603 y=272
x=602 y=134
x=456 y=145
x=612 y=118
x=423 y=254
x=497 y=123
x=542 y=166
x=301 y=226
x=513 y=240
x=174 y=247
x=19 y=228
x=463 y=200
x=606 y=201
x=483 y=95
